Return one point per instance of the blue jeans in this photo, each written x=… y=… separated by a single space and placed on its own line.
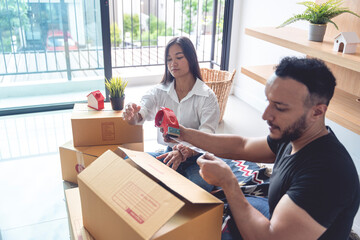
x=188 y=169
x=230 y=231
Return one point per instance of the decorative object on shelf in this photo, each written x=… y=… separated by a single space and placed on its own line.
x=96 y=100
x=343 y=108
x=346 y=42
x=116 y=87
x=319 y=15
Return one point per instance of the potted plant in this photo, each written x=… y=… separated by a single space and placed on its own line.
x=319 y=15
x=116 y=87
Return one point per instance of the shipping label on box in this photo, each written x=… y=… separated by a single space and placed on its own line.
x=75 y=159
x=105 y=127
x=119 y=201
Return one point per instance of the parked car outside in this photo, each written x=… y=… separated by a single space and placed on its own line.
x=55 y=41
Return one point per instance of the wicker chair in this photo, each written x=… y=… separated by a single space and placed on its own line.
x=220 y=82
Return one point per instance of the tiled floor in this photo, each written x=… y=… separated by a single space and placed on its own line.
x=32 y=203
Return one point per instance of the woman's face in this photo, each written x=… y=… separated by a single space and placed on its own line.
x=176 y=62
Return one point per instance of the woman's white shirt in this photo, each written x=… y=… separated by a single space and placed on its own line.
x=199 y=109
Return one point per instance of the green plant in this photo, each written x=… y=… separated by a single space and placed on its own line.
x=132 y=25
x=115 y=34
x=320 y=13
x=13 y=16
x=116 y=86
x=189 y=9
x=157 y=27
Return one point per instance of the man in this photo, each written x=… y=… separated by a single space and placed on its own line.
x=314 y=189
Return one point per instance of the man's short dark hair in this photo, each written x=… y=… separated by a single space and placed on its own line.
x=311 y=72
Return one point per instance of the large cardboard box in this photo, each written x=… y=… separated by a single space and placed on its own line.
x=142 y=198
x=106 y=127
x=75 y=159
x=73 y=203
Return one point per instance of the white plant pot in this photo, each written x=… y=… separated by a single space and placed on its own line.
x=317 y=32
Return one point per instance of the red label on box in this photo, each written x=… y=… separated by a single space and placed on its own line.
x=138 y=204
x=79 y=168
x=108 y=131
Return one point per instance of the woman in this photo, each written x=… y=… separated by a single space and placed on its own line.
x=193 y=102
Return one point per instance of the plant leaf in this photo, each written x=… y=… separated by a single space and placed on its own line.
x=319 y=13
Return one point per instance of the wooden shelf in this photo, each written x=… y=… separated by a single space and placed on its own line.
x=297 y=40
x=343 y=108
x=258 y=73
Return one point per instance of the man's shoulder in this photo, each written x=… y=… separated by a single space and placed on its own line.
x=329 y=145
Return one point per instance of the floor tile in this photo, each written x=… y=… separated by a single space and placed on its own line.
x=53 y=230
x=32 y=191
x=32 y=203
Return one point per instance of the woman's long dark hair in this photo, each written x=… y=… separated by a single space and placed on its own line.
x=190 y=55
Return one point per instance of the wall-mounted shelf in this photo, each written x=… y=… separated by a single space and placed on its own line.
x=343 y=108
x=297 y=40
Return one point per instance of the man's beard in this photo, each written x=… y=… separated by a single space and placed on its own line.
x=295 y=130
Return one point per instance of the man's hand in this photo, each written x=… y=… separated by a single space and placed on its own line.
x=214 y=171
x=172 y=159
x=167 y=139
x=131 y=113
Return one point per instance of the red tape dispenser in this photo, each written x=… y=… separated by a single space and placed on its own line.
x=165 y=118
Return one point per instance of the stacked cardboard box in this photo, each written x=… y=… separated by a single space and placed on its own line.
x=94 y=132
x=135 y=198
x=77 y=230
x=141 y=198
x=106 y=127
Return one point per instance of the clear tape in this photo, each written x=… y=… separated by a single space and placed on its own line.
x=189 y=145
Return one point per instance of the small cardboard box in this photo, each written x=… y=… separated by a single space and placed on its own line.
x=75 y=159
x=148 y=201
x=73 y=203
x=106 y=127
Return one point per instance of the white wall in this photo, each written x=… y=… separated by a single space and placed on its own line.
x=248 y=51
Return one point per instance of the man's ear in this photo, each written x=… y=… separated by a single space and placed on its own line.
x=319 y=110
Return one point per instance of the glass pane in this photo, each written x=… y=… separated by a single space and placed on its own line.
x=140 y=29
x=49 y=47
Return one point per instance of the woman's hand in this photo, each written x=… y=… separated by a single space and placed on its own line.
x=172 y=159
x=131 y=113
x=185 y=151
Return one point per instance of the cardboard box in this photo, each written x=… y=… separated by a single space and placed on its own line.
x=149 y=201
x=73 y=203
x=106 y=127
x=75 y=159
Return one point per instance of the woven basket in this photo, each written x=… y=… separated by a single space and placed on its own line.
x=220 y=82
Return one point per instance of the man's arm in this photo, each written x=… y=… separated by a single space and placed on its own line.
x=230 y=146
x=288 y=221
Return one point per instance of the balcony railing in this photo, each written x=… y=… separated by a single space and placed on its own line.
x=57 y=39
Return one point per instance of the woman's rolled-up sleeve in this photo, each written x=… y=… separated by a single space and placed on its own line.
x=148 y=105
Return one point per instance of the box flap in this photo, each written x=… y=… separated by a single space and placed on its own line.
x=81 y=110
x=141 y=202
x=96 y=151
x=169 y=177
